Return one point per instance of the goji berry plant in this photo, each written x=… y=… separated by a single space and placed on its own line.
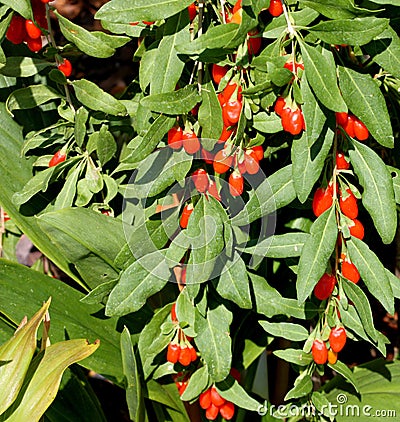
x=226 y=223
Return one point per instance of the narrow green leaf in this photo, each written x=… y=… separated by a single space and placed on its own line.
x=67 y=194
x=316 y=253
x=198 y=382
x=267 y=123
x=294 y=332
x=106 y=145
x=232 y=391
x=20 y=66
x=210 y=116
x=296 y=356
x=90 y=95
x=322 y=78
x=337 y=9
x=372 y=272
x=23 y=7
x=346 y=372
x=378 y=196
x=394 y=283
x=364 y=98
x=30 y=97
x=302 y=386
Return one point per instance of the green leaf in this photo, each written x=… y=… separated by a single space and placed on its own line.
x=308 y=162
x=140 y=10
x=279 y=246
x=23 y=67
x=106 y=145
x=232 y=391
x=385 y=51
x=81 y=117
x=361 y=303
x=273 y=193
x=352 y=321
x=30 y=97
x=296 y=356
x=44 y=380
x=294 y=332
x=233 y=283
x=198 y=382
x=90 y=95
x=358 y=31
x=210 y=116
x=364 y=98
x=137 y=283
x=316 y=253
x=23 y=7
x=67 y=194
x=302 y=386
x=394 y=283
x=134 y=396
x=175 y=102
x=214 y=342
x=378 y=195
x=16 y=355
x=372 y=272
x=176 y=31
x=267 y=123
x=93 y=43
x=336 y=9
x=322 y=78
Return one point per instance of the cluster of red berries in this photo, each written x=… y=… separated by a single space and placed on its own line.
x=27 y=30
x=353 y=126
x=179 y=349
x=323 y=351
x=212 y=402
x=178 y=138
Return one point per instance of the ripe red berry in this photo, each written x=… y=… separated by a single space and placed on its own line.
x=360 y=130
x=65 y=67
x=148 y=22
x=46 y=1
x=57 y=158
x=231 y=112
x=349 y=126
x=319 y=352
x=173 y=352
x=185 y=356
x=323 y=200
x=205 y=399
x=357 y=229
x=348 y=204
x=193 y=354
x=341 y=162
x=227 y=131
x=236 y=183
x=251 y=163
x=190 y=142
x=258 y=152
x=213 y=191
x=223 y=161
x=186 y=213
x=173 y=312
x=200 y=180
x=218 y=72
x=275 y=8
x=229 y=90
x=34 y=44
x=280 y=104
x=16 y=32
x=350 y=271
x=216 y=399
x=175 y=137
x=227 y=410
x=32 y=30
x=212 y=412
x=253 y=42
x=207 y=156
x=237 y=6
x=332 y=357
x=192 y=11
x=341 y=118
x=292 y=120
x=324 y=288
x=337 y=338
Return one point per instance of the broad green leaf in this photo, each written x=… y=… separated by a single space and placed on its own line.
x=147 y=67
x=364 y=98
x=286 y=330
x=45 y=379
x=267 y=123
x=358 y=31
x=134 y=396
x=273 y=193
x=93 y=43
x=215 y=37
x=378 y=196
x=67 y=194
x=279 y=246
x=106 y=145
x=214 y=342
x=308 y=161
x=198 y=382
x=394 y=282
x=336 y=9
x=232 y=391
x=23 y=66
x=186 y=312
x=361 y=303
x=302 y=386
x=233 y=283
x=81 y=117
x=316 y=253
x=16 y=355
x=270 y=302
x=372 y=272
x=176 y=31
x=210 y=116
x=137 y=283
x=30 y=97
x=296 y=356
x=385 y=51
x=79 y=234
x=322 y=78
x=175 y=102
x=89 y=94
x=389 y=2
x=352 y=321
x=23 y=7
x=140 y=10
